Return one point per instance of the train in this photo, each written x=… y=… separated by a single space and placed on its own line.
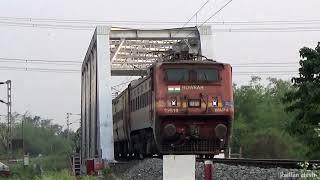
x=179 y=107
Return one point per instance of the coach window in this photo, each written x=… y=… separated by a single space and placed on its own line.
x=137 y=103
x=132 y=105
x=145 y=99
x=141 y=101
x=148 y=99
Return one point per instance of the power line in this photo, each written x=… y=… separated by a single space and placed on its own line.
x=267 y=62
x=39 y=69
x=217 y=12
x=268 y=29
x=47 y=26
x=195 y=14
x=37 y=60
x=131 y=22
x=264 y=72
x=42 y=63
x=77 y=71
x=214 y=14
x=277 y=73
x=263 y=29
x=249 y=62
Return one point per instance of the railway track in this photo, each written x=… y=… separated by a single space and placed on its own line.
x=266 y=163
x=262 y=163
x=151 y=168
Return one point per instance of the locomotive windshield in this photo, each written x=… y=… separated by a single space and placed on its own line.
x=192 y=75
x=177 y=75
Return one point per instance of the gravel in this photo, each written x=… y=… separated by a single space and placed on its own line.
x=139 y=169
x=152 y=169
x=227 y=172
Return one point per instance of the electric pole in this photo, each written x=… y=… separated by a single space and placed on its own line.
x=68 y=122
x=9 y=114
x=9 y=104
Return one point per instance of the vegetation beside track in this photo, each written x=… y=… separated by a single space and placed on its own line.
x=280 y=119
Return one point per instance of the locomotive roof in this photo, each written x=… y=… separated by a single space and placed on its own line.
x=190 y=62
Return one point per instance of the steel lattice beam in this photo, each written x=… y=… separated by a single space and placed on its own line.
x=132 y=51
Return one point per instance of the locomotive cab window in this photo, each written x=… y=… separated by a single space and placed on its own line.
x=207 y=75
x=192 y=75
x=177 y=75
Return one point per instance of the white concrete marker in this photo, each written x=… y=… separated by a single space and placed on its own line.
x=179 y=167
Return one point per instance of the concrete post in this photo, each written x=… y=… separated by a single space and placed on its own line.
x=179 y=167
x=104 y=109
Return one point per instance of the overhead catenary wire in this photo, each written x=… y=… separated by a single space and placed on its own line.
x=220 y=30
x=38 y=60
x=30 y=23
x=217 y=12
x=247 y=62
x=95 y=22
x=214 y=14
x=235 y=74
x=77 y=71
x=194 y=15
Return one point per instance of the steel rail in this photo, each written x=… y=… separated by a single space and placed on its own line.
x=266 y=163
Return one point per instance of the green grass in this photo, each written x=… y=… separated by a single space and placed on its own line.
x=53 y=168
x=41 y=167
x=28 y=173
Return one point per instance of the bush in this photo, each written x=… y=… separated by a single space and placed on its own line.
x=52 y=163
x=270 y=144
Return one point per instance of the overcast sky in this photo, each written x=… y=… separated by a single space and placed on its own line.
x=52 y=95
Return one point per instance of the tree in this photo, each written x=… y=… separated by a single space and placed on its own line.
x=40 y=136
x=304 y=100
x=260 y=121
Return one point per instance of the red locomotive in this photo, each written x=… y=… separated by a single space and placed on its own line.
x=180 y=107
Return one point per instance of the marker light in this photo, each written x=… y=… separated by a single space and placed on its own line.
x=173 y=102
x=215 y=103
